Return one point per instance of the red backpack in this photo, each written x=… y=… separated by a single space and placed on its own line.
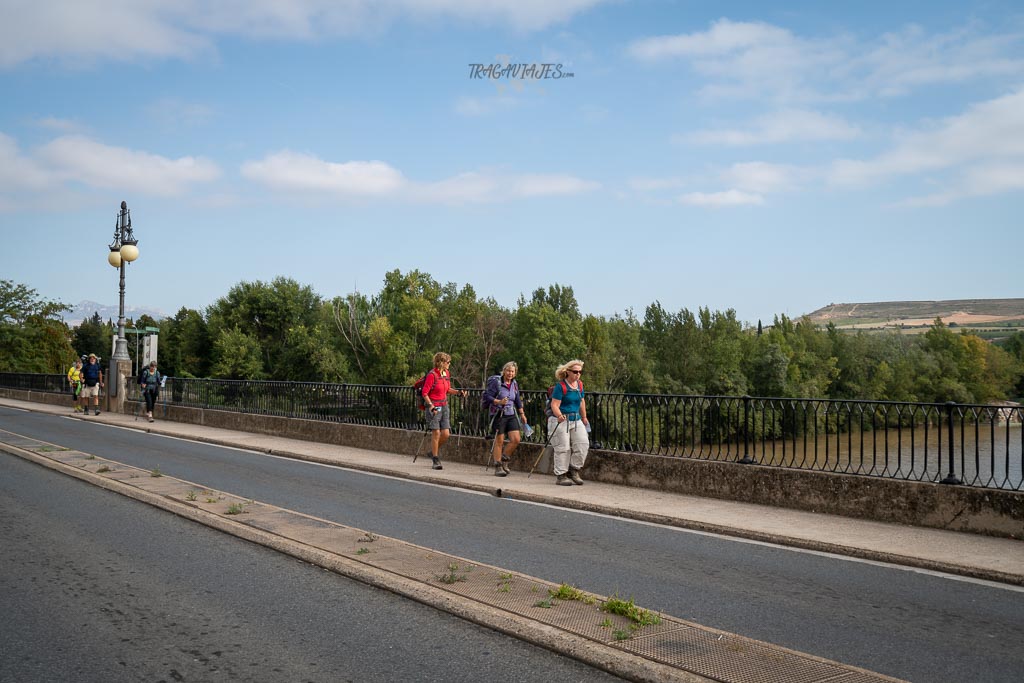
x=565 y=390
x=418 y=390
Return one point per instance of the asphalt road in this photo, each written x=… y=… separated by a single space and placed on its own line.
x=908 y=624
x=98 y=587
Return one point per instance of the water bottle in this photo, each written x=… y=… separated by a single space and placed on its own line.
x=586 y=426
x=527 y=430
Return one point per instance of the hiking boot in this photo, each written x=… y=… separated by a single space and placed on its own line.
x=574 y=475
x=97 y=412
x=505 y=460
x=150 y=418
x=563 y=480
x=500 y=471
x=436 y=464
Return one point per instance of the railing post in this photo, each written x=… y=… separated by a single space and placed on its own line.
x=951 y=477
x=746 y=459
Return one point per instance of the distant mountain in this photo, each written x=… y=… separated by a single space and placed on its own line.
x=960 y=312
x=85 y=309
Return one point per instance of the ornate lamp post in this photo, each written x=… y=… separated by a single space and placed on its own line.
x=124 y=249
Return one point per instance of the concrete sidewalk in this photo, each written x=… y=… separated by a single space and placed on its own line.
x=995 y=559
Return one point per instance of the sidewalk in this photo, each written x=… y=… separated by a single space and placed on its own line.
x=995 y=559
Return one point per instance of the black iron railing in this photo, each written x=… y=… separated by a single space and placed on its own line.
x=974 y=445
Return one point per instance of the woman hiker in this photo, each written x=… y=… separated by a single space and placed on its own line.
x=436 y=388
x=504 y=398
x=568 y=424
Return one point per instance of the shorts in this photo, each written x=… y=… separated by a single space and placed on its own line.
x=506 y=424
x=90 y=392
x=439 y=420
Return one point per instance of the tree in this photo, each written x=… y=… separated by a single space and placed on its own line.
x=271 y=314
x=32 y=336
x=185 y=347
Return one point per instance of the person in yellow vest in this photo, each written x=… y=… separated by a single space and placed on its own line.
x=75 y=382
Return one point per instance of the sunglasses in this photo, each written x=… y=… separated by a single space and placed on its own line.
x=576 y=372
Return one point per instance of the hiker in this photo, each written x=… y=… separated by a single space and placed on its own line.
x=503 y=399
x=149 y=385
x=92 y=376
x=437 y=386
x=568 y=424
x=75 y=382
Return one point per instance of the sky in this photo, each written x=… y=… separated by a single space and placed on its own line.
x=771 y=158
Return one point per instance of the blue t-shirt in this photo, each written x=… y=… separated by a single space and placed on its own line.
x=570 y=406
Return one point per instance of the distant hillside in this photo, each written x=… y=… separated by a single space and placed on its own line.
x=981 y=313
x=85 y=309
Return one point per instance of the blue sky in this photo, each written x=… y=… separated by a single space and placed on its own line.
x=771 y=158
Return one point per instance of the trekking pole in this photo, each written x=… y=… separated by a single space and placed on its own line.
x=546 y=445
x=493 y=431
x=426 y=428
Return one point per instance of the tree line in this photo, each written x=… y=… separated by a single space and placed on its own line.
x=283 y=330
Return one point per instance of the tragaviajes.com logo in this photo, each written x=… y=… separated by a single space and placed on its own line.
x=518 y=72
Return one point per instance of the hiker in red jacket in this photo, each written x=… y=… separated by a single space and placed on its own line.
x=436 y=389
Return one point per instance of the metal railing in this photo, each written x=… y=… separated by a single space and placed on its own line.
x=974 y=445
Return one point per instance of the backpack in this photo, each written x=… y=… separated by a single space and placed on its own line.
x=565 y=390
x=485 y=401
x=417 y=389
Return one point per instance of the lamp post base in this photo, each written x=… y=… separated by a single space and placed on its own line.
x=120 y=371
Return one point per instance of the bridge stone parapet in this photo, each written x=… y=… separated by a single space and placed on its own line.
x=987 y=511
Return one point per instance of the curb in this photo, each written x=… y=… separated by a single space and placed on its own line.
x=594 y=654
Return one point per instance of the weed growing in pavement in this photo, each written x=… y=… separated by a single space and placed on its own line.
x=102 y=468
x=622 y=635
x=211 y=500
x=546 y=604
x=191 y=495
x=568 y=592
x=451 y=576
x=362 y=551
x=367 y=538
x=533 y=588
x=235 y=509
x=628 y=609
x=504 y=588
x=90 y=457
x=607 y=623
x=155 y=472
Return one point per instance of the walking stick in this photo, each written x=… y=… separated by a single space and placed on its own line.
x=546 y=445
x=493 y=436
x=426 y=429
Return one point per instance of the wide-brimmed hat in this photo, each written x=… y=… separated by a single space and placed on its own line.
x=92 y=355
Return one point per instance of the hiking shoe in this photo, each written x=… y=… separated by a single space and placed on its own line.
x=574 y=476
x=96 y=413
x=505 y=460
x=563 y=480
x=499 y=471
x=436 y=464
x=151 y=419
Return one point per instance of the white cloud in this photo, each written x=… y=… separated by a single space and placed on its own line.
x=987 y=132
x=721 y=199
x=82 y=160
x=302 y=173
x=18 y=172
x=60 y=165
x=291 y=171
x=60 y=125
x=749 y=60
x=761 y=177
x=123 y=30
x=788 y=125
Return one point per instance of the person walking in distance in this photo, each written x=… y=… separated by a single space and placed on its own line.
x=75 y=382
x=568 y=424
x=437 y=386
x=505 y=401
x=149 y=385
x=92 y=376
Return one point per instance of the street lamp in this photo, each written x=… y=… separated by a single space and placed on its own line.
x=124 y=249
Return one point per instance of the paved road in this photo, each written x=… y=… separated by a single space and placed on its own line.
x=907 y=624
x=98 y=587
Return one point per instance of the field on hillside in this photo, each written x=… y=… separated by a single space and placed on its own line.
x=987 y=317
